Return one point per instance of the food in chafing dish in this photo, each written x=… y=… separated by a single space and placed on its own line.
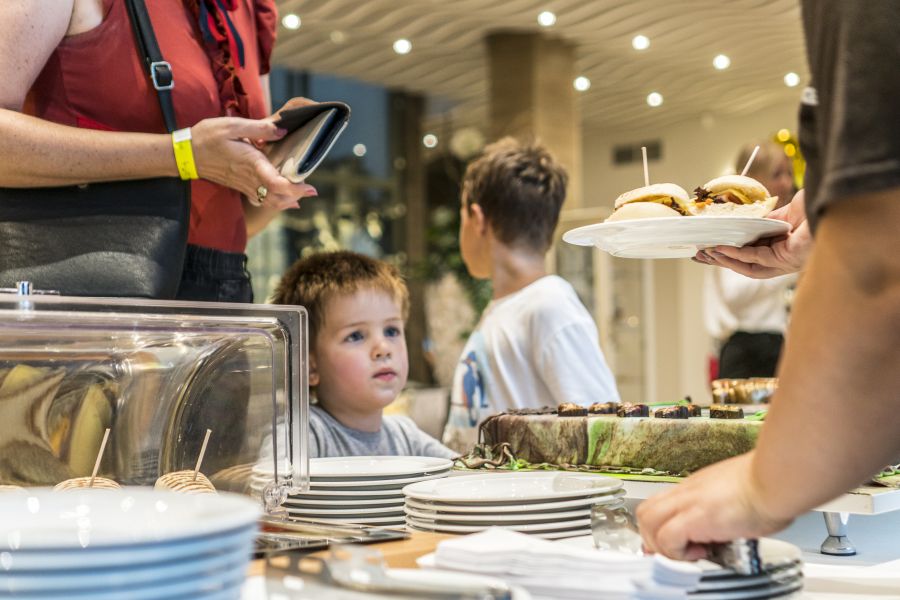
x=80 y=483
x=725 y=411
x=657 y=200
x=755 y=390
x=732 y=196
x=185 y=482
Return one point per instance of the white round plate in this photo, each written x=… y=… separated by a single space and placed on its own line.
x=512 y=487
x=192 y=587
x=342 y=494
x=525 y=528
x=113 y=557
x=342 y=503
x=499 y=519
x=124 y=578
x=559 y=534
x=82 y=519
x=498 y=508
x=744 y=581
x=673 y=237
x=361 y=520
x=369 y=485
x=771 y=590
x=383 y=467
x=340 y=512
x=773 y=553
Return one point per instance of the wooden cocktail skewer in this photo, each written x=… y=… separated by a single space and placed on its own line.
x=187 y=481
x=99 y=456
x=202 y=452
x=88 y=482
x=750 y=161
x=646 y=170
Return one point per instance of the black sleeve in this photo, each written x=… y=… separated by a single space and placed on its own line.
x=850 y=119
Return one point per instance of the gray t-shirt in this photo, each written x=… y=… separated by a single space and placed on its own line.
x=850 y=114
x=398 y=436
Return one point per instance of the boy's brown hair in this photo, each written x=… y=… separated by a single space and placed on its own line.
x=520 y=188
x=312 y=281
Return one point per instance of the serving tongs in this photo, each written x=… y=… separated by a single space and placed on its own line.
x=363 y=570
x=616 y=529
x=298 y=527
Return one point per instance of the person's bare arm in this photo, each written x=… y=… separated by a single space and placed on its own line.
x=34 y=152
x=836 y=416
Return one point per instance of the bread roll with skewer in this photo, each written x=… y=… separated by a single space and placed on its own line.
x=185 y=483
x=100 y=483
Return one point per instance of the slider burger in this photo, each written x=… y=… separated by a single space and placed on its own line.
x=657 y=200
x=732 y=196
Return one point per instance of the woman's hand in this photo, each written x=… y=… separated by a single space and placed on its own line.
x=768 y=257
x=223 y=155
x=717 y=504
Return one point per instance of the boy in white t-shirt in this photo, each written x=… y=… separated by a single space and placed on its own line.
x=536 y=344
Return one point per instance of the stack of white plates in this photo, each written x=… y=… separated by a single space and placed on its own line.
x=366 y=490
x=782 y=576
x=133 y=543
x=551 y=505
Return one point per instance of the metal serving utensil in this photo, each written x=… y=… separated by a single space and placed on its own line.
x=362 y=569
x=616 y=529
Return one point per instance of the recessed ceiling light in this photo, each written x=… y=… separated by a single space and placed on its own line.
x=654 y=99
x=582 y=84
x=338 y=37
x=640 y=42
x=430 y=140
x=791 y=79
x=721 y=62
x=359 y=149
x=291 y=21
x=546 y=19
x=402 y=46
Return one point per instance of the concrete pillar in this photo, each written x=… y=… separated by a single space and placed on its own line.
x=407 y=113
x=532 y=96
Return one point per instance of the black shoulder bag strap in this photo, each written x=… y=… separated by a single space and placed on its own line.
x=120 y=238
x=160 y=71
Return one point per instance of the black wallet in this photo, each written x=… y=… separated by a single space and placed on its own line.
x=312 y=131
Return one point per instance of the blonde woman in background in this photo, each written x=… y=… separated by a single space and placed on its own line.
x=747 y=317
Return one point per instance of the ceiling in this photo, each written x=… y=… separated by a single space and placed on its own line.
x=763 y=38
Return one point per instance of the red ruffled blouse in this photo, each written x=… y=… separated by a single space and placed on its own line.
x=97 y=80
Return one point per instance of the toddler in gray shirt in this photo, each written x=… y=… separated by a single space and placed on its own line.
x=358 y=363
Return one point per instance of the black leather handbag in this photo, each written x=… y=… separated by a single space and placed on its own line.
x=123 y=238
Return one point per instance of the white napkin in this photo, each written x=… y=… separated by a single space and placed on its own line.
x=562 y=571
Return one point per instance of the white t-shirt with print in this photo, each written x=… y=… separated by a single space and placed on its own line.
x=535 y=347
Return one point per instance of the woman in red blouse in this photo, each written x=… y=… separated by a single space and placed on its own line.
x=77 y=107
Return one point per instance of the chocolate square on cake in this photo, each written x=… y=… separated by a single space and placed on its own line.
x=603 y=408
x=725 y=411
x=570 y=409
x=633 y=410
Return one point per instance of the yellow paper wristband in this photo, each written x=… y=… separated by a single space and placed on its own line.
x=184 y=153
